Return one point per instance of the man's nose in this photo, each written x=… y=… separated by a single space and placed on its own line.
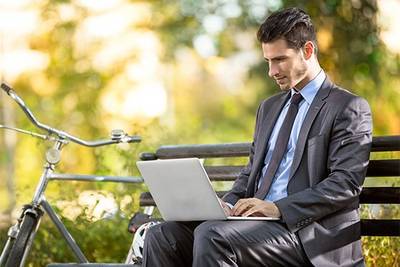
x=273 y=70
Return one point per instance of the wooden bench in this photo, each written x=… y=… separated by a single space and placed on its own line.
x=386 y=167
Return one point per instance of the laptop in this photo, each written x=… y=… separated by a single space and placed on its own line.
x=182 y=191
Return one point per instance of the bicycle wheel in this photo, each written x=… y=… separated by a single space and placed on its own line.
x=20 y=246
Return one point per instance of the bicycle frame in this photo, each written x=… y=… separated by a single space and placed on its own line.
x=39 y=199
x=39 y=204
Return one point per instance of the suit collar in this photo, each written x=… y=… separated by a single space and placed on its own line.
x=318 y=102
x=311 y=89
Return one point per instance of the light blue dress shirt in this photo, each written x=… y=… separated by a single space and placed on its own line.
x=279 y=184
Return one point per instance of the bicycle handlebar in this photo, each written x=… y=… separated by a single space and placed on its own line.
x=6 y=88
x=121 y=138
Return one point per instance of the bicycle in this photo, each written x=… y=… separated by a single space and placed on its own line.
x=21 y=235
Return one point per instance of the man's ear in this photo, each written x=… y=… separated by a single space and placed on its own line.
x=308 y=49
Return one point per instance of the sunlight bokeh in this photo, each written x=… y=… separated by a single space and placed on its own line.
x=390 y=20
x=114 y=30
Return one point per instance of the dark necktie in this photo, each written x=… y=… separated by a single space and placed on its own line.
x=280 y=146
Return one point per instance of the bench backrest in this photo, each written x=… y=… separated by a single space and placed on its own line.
x=386 y=167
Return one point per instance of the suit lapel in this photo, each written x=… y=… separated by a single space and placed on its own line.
x=267 y=126
x=316 y=105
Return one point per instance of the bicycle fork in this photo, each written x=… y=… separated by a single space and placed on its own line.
x=14 y=230
x=12 y=235
x=34 y=210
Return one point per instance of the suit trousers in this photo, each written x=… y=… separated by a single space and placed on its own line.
x=223 y=243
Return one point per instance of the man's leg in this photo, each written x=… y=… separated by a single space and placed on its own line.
x=246 y=243
x=169 y=244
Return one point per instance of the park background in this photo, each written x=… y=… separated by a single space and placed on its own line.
x=174 y=72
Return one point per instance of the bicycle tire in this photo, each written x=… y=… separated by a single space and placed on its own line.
x=28 y=225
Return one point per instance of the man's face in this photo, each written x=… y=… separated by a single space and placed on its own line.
x=287 y=66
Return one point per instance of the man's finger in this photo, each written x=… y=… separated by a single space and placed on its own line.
x=242 y=206
x=253 y=211
x=239 y=207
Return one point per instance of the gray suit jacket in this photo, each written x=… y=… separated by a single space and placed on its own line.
x=326 y=176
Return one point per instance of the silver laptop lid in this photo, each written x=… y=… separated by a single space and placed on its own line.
x=181 y=189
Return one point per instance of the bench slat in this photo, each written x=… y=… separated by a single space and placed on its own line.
x=383 y=168
x=386 y=143
x=379 y=143
x=223 y=173
x=380 y=195
x=204 y=151
x=375 y=227
x=376 y=168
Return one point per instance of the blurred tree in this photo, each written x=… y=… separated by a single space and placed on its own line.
x=7 y=116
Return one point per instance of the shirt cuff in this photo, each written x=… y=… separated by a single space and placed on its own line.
x=229 y=205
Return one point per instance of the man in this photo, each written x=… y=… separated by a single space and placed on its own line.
x=307 y=164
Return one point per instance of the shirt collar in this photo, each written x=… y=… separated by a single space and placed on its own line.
x=310 y=90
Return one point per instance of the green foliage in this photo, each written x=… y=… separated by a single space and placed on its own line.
x=381 y=251
x=106 y=240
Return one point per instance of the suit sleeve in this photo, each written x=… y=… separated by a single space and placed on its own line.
x=348 y=156
x=239 y=188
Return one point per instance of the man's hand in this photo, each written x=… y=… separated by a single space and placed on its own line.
x=227 y=209
x=255 y=207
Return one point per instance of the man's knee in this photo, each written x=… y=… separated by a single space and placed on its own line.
x=212 y=246
x=207 y=234
x=204 y=230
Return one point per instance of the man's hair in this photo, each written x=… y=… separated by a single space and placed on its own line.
x=292 y=24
